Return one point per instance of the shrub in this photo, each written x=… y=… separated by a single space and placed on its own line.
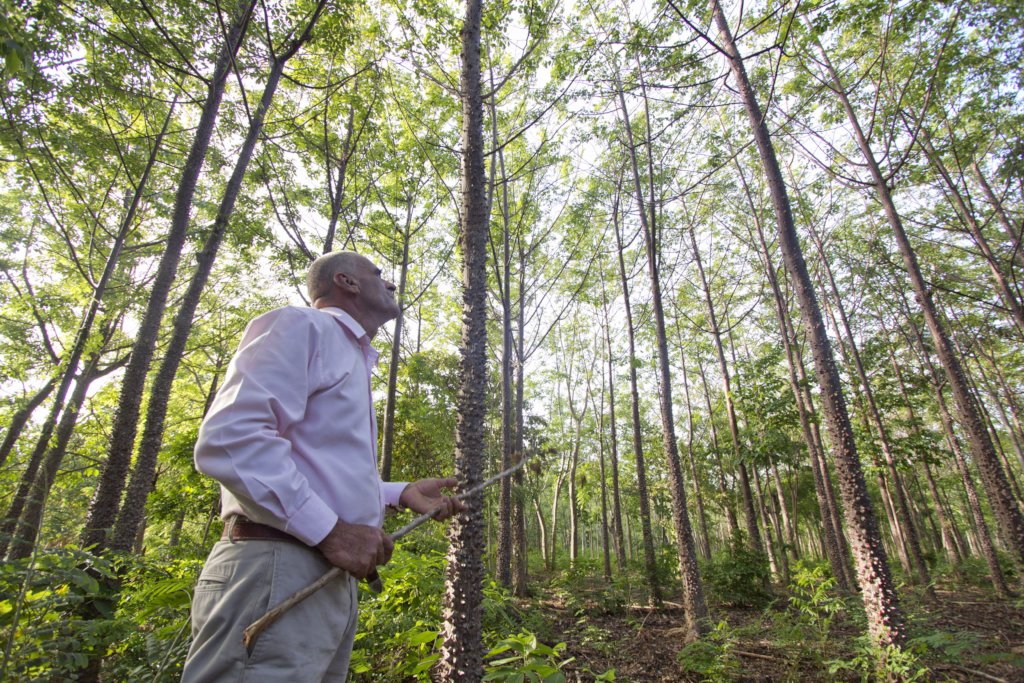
x=738 y=577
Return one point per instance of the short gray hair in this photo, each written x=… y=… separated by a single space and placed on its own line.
x=320 y=276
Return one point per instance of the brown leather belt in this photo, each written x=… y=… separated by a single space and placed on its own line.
x=241 y=529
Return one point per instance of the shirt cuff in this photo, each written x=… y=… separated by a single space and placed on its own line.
x=312 y=522
x=392 y=491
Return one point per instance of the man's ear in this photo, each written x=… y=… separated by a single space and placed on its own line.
x=345 y=282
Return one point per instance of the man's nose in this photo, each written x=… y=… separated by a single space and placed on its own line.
x=390 y=285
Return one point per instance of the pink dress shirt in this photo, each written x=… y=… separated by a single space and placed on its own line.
x=292 y=435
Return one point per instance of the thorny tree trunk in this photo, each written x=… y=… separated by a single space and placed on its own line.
x=750 y=516
x=982 y=450
x=134 y=505
x=904 y=530
x=462 y=650
x=831 y=528
x=885 y=619
x=693 y=591
x=104 y=505
x=650 y=566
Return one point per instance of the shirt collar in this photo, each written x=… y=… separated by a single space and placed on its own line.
x=348 y=322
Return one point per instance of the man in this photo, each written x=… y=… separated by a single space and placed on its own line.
x=292 y=437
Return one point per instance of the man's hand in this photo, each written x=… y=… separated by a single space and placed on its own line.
x=425 y=495
x=356 y=548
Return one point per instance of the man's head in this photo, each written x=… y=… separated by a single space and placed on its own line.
x=353 y=283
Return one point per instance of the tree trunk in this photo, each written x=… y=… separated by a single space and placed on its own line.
x=650 y=565
x=977 y=519
x=519 y=547
x=885 y=619
x=30 y=520
x=753 y=533
x=134 y=505
x=388 y=432
x=70 y=366
x=696 y=618
x=617 y=535
x=462 y=650
x=503 y=275
x=542 y=530
x=21 y=416
x=904 y=529
x=104 y=505
x=705 y=541
x=605 y=541
x=982 y=450
x=831 y=528
x=723 y=491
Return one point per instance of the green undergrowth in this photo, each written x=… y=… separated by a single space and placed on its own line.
x=144 y=633
x=58 y=612
x=818 y=634
x=400 y=637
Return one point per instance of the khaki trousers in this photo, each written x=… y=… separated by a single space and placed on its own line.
x=240 y=581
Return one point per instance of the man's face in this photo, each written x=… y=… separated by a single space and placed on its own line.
x=376 y=295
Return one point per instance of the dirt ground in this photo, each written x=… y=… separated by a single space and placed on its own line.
x=961 y=636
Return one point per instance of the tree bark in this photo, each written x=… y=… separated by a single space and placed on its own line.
x=388 y=432
x=141 y=483
x=462 y=649
x=21 y=416
x=977 y=519
x=705 y=541
x=982 y=450
x=750 y=516
x=104 y=505
x=696 y=617
x=650 y=565
x=885 y=619
x=617 y=535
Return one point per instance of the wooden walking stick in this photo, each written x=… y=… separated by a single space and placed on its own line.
x=253 y=631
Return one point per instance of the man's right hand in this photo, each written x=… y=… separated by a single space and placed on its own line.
x=356 y=548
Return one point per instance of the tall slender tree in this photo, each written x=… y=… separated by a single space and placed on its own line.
x=462 y=651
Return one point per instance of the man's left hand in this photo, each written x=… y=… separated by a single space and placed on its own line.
x=425 y=495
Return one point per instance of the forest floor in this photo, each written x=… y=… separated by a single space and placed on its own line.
x=964 y=635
